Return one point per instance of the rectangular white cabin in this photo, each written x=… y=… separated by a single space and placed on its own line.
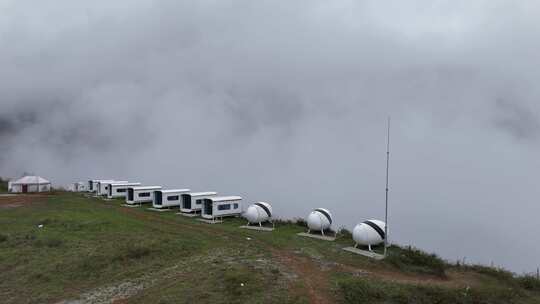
x=168 y=198
x=93 y=184
x=79 y=187
x=192 y=202
x=103 y=187
x=221 y=206
x=116 y=190
x=141 y=194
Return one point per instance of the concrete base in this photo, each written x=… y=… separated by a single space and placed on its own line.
x=366 y=253
x=159 y=209
x=257 y=228
x=188 y=214
x=131 y=206
x=210 y=221
x=317 y=236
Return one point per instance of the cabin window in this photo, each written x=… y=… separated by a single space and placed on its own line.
x=224 y=207
x=144 y=194
x=121 y=190
x=235 y=206
x=198 y=202
x=173 y=198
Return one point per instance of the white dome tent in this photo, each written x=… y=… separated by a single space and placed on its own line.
x=30 y=183
x=258 y=213
x=319 y=220
x=370 y=232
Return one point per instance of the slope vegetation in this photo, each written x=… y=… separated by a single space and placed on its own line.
x=67 y=248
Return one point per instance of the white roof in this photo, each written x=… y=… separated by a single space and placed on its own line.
x=108 y=181
x=147 y=188
x=225 y=198
x=31 y=180
x=115 y=184
x=175 y=190
x=192 y=194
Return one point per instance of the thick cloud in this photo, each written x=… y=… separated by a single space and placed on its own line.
x=287 y=103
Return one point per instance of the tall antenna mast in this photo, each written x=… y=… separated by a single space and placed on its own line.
x=386 y=200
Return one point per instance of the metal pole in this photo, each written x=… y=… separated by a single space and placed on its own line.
x=386 y=199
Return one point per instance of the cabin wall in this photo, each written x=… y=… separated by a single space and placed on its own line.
x=228 y=208
x=31 y=188
x=94 y=186
x=220 y=208
x=117 y=193
x=16 y=188
x=194 y=205
x=168 y=201
x=138 y=196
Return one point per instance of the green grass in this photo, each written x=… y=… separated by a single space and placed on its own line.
x=90 y=248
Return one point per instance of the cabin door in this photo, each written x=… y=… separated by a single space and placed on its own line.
x=186 y=201
x=208 y=207
x=157 y=197
x=24 y=188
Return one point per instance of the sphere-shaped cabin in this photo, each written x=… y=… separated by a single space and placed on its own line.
x=258 y=212
x=319 y=219
x=370 y=232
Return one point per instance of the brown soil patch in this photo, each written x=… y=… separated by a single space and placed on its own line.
x=316 y=280
x=454 y=279
x=19 y=200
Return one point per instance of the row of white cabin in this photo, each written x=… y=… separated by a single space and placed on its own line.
x=210 y=206
x=207 y=204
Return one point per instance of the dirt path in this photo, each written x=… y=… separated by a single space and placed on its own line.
x=315 y=280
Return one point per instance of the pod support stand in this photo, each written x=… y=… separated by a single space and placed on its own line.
x=260 y=227
x=318 y=236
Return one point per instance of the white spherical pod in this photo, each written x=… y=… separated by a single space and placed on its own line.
x=370 y=232
x=319 y=219
x=258 y=212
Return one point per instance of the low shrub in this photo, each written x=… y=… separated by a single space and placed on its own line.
x=363 y=290
x=529 y=282
x=3 y=185
x=344 y=233
x=3 y=238
x=300 y=222
x=497 y=273
x=414 y=260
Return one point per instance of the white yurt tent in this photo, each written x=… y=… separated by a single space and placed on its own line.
x=30 y=184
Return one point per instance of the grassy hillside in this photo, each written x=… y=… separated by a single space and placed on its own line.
x=100 y=252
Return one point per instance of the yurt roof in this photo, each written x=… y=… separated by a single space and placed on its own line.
x=31 y=180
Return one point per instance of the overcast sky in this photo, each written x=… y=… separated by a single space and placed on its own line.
x=286 y=102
